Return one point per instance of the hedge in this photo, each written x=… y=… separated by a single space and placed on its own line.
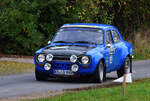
x=27 y=25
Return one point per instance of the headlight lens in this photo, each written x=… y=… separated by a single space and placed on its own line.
x=49 y=57
x=47 y=66
x=85 y=59
x=75 y=68
x=73 y=58
x=41 y=58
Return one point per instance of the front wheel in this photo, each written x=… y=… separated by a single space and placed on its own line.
x=100 y=72
x=126 y=67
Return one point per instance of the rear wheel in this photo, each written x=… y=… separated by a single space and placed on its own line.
x=100 y=72
x=39 y=76
x=126 y=67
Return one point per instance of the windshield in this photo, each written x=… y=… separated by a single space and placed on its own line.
x=79 y=35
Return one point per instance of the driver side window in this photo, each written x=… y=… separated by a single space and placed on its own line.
x=108 y=37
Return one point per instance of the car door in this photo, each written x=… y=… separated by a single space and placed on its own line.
x=118 y=49
x=110 y=56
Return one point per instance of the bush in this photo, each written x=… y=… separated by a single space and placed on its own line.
x=26 y=26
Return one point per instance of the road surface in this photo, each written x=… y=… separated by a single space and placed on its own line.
x=25 y=84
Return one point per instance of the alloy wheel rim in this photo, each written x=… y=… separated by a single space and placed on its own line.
x=127 y=66
x=101 y=72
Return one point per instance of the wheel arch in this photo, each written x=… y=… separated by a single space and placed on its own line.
x=103 y=60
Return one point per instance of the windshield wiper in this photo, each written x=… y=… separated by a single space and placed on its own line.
x=61 y=42
x=85 y=42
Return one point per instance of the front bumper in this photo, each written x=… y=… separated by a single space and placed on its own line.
x=60 y=65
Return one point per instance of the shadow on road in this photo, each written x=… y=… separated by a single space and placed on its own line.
x=76 y=80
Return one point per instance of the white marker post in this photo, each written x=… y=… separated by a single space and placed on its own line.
x=124 y=84
x=127 y=78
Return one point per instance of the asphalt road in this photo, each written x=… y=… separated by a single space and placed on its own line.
x=25 y=84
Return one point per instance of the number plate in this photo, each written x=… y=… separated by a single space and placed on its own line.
x=63 y=72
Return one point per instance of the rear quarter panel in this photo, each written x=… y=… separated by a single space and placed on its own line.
x=125 y=50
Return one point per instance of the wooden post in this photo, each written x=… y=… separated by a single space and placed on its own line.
x=124 y=84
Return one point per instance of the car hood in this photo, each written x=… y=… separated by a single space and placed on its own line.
x=67 y=50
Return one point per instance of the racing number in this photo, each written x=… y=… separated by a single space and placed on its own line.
x=109 y=41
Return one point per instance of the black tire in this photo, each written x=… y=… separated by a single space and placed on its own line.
x=120 y=72
x=100 y=72
x=39 y=76
x=126 y=68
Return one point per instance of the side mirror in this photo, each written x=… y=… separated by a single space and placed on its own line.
x=49 y=42
x=108 y=45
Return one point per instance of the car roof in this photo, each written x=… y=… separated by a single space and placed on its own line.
x=91 y=25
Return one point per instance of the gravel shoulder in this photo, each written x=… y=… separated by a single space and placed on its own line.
x=23 y=60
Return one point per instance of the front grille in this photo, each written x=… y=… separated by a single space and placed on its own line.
x=62 y=65
x=61 y=58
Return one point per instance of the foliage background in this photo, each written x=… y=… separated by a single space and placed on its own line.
x=27 y=25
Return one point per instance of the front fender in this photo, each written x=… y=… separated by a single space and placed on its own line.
x=96 y=56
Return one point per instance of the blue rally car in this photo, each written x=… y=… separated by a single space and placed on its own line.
x=84 y=50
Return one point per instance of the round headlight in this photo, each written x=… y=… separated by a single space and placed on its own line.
x=49 y=57
x=75 y=68
x=73 y=58
x=47 y=66
x=85 y=59
x=41 y=58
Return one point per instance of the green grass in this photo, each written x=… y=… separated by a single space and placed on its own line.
x=7 y=67
x=141 y=57
x=139 y=91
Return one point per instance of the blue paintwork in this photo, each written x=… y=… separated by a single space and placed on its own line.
x=100 y=52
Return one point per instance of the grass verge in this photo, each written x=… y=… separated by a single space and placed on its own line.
x=138 y=91
x=7 y=67
x=141 y=57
